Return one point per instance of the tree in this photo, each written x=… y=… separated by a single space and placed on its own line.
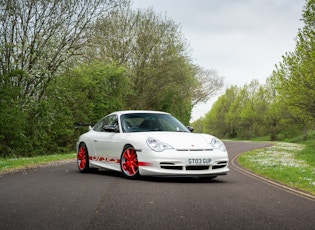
x=220 y=119
x=285 y=104
x=240 y=112
x=13 y=120
x=296 y=72
x=233 y=110
x=214 y=123
x=40 y=37
x=253 y=109
x=208 y=85
x=84 y=94
x=154 y=50
x=278 y=115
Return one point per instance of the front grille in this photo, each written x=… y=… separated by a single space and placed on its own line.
x=175 y=166
x=170 y=165
x=220 y=165
x=197 y=167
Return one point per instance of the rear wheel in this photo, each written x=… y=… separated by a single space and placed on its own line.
x=129 y=163
x=83 y=159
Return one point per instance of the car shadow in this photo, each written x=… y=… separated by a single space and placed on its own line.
x=182 y=180
x=162 y=179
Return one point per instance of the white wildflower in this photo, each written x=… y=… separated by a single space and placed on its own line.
x=280 y=155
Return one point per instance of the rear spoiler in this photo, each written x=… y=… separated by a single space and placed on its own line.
x=79 y=124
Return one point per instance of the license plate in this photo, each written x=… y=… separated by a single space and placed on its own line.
x=198 y=161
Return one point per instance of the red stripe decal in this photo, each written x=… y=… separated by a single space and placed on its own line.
x=144 y=163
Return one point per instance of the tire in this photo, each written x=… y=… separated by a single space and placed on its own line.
x=83 y=159
x=129 y=163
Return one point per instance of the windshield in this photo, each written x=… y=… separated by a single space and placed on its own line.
x=146 y=122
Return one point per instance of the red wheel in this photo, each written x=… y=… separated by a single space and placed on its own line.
x=83 y=158
x=129 y=163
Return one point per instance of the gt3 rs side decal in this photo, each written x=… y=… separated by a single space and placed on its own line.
x=104 y=159
x=114 y=160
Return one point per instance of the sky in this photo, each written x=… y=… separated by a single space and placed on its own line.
x=242 y=40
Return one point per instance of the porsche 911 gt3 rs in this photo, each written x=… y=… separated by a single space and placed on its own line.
x=150 y=143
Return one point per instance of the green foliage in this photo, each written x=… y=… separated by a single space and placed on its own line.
x=60 y=66
x=13 y=115
x=308 y=152
x=84 y=94
x=95 y=89
x=43 y=37
x=249 y=112
x=296 y=79
x=198 y=125
x=238 y=113
x=136 y=60
x=38 y=41
x=214 y=122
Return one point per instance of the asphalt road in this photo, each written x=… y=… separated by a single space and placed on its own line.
x=59 y=197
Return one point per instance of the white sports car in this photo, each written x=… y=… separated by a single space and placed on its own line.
x=150 y=143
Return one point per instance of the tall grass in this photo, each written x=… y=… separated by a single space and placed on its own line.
x=289 y=163
x=7 y=164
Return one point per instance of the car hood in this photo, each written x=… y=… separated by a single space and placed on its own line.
x=181 y=140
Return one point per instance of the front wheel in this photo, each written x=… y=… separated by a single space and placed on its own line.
x=83 y=158
x=129 y=163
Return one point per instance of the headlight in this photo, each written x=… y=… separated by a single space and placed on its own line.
x=218 y=144
x=157 y=145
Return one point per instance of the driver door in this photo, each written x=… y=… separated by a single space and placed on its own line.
x=107 y=143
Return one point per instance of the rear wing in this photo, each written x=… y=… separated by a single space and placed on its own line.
x=79 y=124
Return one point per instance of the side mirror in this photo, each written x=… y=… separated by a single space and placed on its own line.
x=190 y=128
x=111 y=128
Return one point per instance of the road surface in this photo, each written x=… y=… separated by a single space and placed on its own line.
x=59 y=197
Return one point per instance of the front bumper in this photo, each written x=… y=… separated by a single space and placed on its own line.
x=175 y=163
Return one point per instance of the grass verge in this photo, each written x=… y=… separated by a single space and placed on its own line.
x=11 y=164
x=288 y=163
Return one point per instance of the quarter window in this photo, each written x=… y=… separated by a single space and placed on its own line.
x=108 y=120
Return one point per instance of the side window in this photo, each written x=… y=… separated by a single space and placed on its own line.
x=109 y=120
x=98 y=126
